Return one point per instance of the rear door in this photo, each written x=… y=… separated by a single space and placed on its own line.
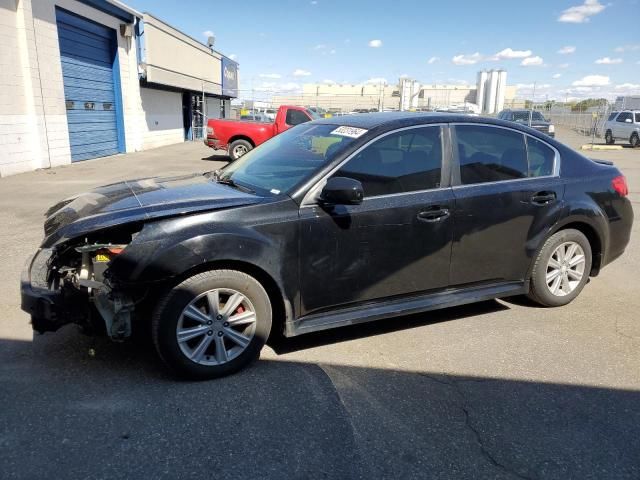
x=397 y=242
x=506 y=188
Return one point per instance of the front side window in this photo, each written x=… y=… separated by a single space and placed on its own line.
x=296 y=117
x=404 y=161
x=624 y=116
x=490 y=154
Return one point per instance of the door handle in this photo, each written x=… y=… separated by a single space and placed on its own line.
x=434 y=214
x=543 y=198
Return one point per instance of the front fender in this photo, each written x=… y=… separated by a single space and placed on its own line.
x=156 y=261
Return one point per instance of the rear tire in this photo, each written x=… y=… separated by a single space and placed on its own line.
x=212 y=324
x=634 y=140
x=608 y=138
x=561 y=269
x=239 y=148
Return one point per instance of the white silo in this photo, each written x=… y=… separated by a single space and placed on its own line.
x=480 y=89
x=491 y=90
x=500 y=91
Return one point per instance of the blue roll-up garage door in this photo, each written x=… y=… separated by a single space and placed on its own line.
x=88 y=53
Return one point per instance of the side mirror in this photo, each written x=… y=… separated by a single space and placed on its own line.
x=628 y=120
x=342 y=191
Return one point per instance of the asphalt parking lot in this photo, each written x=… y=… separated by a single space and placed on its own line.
x=499 y=389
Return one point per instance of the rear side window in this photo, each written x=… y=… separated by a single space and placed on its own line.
x=296 y=117
x=490 y=154
x=405 y=161
x=541 y=158
x=637 y=117
x=612 y=116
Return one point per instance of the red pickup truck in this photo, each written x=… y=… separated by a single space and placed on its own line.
x=238 y=137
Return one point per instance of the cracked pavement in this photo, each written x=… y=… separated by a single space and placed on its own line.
x=498 y=390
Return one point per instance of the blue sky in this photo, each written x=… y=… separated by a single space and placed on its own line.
x=570 y=48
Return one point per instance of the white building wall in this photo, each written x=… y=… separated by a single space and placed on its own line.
x=33 y=119
x=162 y=124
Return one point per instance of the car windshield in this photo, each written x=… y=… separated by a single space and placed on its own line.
x=284 y=161
x=524 y=116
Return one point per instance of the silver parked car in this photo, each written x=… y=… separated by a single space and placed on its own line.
x=623 y=126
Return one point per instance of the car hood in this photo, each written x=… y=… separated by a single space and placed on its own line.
x=139 y=200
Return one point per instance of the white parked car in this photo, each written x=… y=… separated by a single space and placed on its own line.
x=623 y=126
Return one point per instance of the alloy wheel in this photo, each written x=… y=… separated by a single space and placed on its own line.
x=216 y=327
x=565 y=269
x=239 y=150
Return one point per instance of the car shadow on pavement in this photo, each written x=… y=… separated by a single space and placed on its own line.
x=113 y=414
x=282 y=345
x=216 y=157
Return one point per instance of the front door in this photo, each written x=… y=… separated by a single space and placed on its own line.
x=507 y=194
x=397 y=242
x=622 y=128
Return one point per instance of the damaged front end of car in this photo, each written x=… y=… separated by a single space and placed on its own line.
x=71 y=283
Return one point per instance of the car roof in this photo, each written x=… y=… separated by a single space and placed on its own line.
x=392 y=120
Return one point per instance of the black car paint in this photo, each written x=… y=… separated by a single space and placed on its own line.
x=329 y=261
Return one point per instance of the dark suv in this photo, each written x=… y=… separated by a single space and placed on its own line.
x=531 y=118
x=333 y=222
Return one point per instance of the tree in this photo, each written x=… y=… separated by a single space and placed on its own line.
x=583 y=105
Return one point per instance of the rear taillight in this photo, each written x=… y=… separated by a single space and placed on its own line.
x=619 y=184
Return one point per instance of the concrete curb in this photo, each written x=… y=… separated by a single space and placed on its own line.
x=588 y=146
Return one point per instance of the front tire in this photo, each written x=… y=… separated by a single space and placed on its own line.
x=608 y=138
x=561 y=269
x=239 y=148
x=212 y=324
x=634 y=140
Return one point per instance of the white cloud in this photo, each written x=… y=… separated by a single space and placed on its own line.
x=532 y=62
x=567 y=50
x=208 y=33
x=467 y=59
x=332 y=51
x=628 y=87
x=433 y=60
x=592 y=81
x=329 y=82
x=376 y=81
x=556 y=75
x=314 y=2
x=270 y=75
x=608 y=61
x=581 y=13
x=563 y=65
x=627 y=48
x=531 y=86
x=301 y=73
x=233 y=56
x=320 y=46
x=509 y=53
x=375 y=43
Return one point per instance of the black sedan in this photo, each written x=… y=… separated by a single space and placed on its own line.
x=334 y=222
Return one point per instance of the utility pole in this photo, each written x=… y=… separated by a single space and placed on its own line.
x=533 y=99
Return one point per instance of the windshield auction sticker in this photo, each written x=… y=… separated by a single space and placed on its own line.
x=352 y=132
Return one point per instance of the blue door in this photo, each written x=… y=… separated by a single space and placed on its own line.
x=90 y=75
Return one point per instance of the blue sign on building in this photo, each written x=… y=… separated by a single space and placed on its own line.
x=229 y=78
